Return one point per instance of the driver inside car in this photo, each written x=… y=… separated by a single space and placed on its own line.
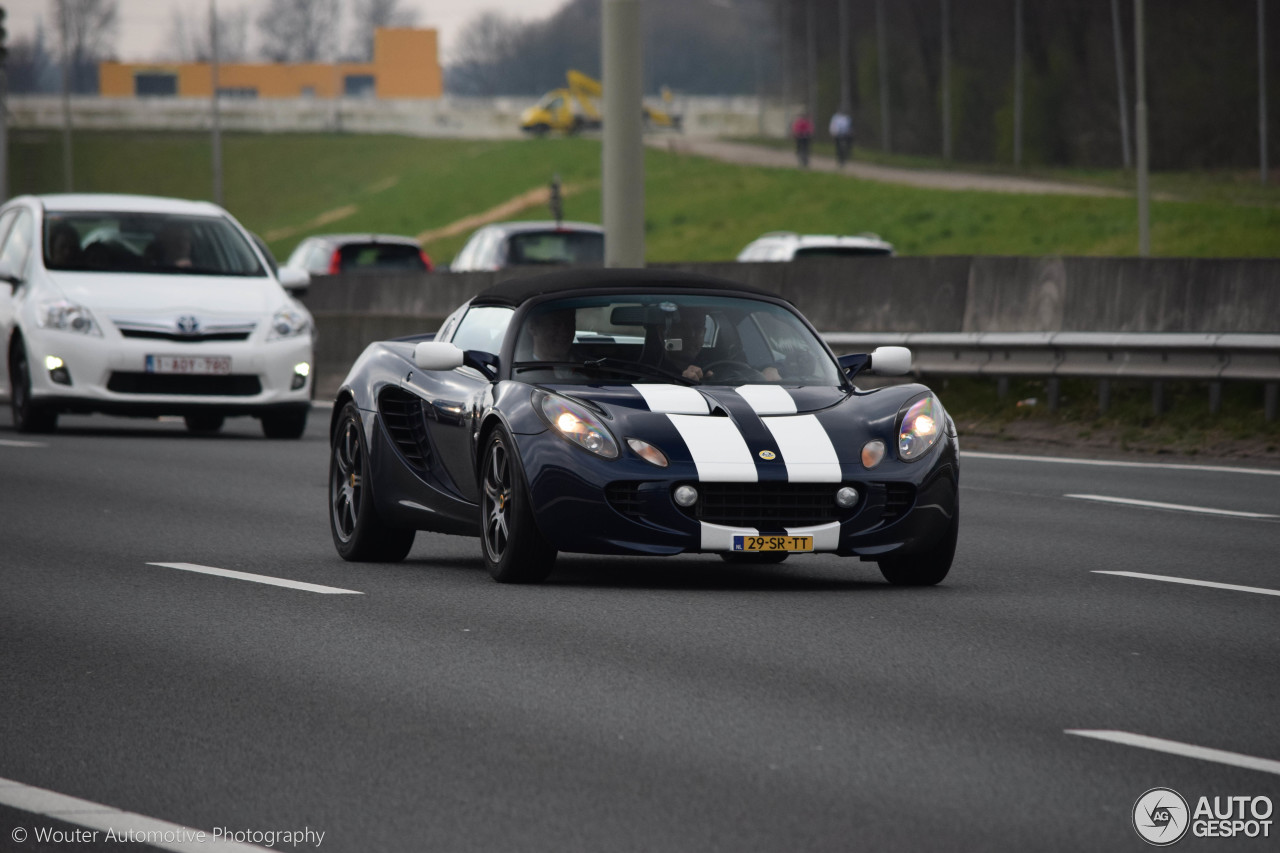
x=686 y=353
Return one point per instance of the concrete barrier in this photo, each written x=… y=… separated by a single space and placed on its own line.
x=907 y=295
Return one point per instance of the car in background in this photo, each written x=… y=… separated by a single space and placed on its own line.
x=643 y=412
x=518 y=244
x=331 y=254
x=790 y=246
x=145 y=306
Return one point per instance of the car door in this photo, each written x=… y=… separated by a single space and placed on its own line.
x=7 y=304
x=454 y=398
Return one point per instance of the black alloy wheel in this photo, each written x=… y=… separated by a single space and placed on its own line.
x=28 y=416
x=358 y=533
x=514 y=550
x=925 y=568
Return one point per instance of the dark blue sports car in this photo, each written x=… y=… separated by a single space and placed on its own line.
x=640 y=412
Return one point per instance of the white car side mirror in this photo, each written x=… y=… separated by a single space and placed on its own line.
x=890 y=361
x=436 y=355
x=294 y=280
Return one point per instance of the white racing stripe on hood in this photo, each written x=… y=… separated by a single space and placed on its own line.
x=673 y=399
x=718 y=449
x=768 y=399
x=806 y=449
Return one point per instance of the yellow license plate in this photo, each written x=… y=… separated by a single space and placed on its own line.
x=773 y=543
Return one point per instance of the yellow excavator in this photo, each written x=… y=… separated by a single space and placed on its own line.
x=576 y=107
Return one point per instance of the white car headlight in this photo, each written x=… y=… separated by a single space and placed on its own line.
x=920 y=428
x=288 y=323
x=576 y=423
x=67 y=317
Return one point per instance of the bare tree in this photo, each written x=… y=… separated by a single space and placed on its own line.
x=188 y=36
x=299 y=30
x=372 y=14
x=90 y=26
x=486 y=46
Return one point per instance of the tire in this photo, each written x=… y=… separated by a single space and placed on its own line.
x=358 y=533
x=205 y=423
x=513 y=548
x=925 y=568
x=755 y=558
x=289 y=424
x=28 y=415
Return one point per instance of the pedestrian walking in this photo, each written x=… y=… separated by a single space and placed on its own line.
x=802 y=133
x=841 y=130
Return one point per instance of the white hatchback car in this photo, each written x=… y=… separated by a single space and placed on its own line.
x=135 y=305
x=790 y=246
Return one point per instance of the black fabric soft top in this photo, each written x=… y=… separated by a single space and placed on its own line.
x=517 y=291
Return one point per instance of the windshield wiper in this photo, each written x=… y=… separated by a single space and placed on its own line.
x=602 y=364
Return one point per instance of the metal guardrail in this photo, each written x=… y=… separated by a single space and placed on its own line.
x=1104 y=356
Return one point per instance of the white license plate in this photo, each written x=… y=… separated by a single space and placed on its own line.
x=772 y=543
x=203 y=365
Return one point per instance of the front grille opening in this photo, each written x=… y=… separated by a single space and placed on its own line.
x=186 y=339
x=625 y=498
x=175 y=384
x=403 y=417
x=767 y=504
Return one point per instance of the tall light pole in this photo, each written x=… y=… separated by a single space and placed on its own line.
x=1017 y=82
x=216 y=140
x=882 y=61
x=1126 y=150
x=622 y=183
x=1262 y=90
x=66 y=98
x=846 y=85
x=946 y=79
x=811 y=68
x=1140 y=78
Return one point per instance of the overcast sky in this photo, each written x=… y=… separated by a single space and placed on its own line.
x=145 y=23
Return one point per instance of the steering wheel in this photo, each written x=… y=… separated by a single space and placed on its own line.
x=733 y=369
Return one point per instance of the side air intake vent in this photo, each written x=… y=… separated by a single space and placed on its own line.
x=402 y=416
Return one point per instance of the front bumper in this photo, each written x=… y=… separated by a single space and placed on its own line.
x=585 y=504
x=109 y=374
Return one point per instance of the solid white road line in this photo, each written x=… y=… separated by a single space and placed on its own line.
x=1190 y=582
x=1173 y=747
x=245 y=576
x=1204 y=510
x=1063 y=460
x=10 y=442
x=124 y=825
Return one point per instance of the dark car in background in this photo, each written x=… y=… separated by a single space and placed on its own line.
x=331 y=254
x=518 y=244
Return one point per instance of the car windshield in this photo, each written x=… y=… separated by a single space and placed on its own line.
x=96 y=241
x=555 y=247
x=720 y=340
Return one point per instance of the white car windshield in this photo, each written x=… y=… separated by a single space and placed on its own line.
x=97 y=241
x=730 y=340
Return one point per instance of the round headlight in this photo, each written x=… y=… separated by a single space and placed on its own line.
x=686 y=496
x=576 y=423
x=919 y=430
x=846 y=496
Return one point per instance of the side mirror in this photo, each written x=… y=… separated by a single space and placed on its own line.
x=294 y=280
x=890 y=361
x=8 y=276
x=435 y=355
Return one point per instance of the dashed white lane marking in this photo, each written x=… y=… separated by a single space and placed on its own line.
x=245 y=576
x=1187 y=750
x=154 y=833
x=10 y=442
x=1211 y=584
x=1203 y=510
x=1168 y=466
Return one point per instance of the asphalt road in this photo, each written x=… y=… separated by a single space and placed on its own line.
x=628 y=704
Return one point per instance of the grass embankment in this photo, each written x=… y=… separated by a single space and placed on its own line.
x=289 y=185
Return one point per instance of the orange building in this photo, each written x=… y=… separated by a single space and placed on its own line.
x=405 y=64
